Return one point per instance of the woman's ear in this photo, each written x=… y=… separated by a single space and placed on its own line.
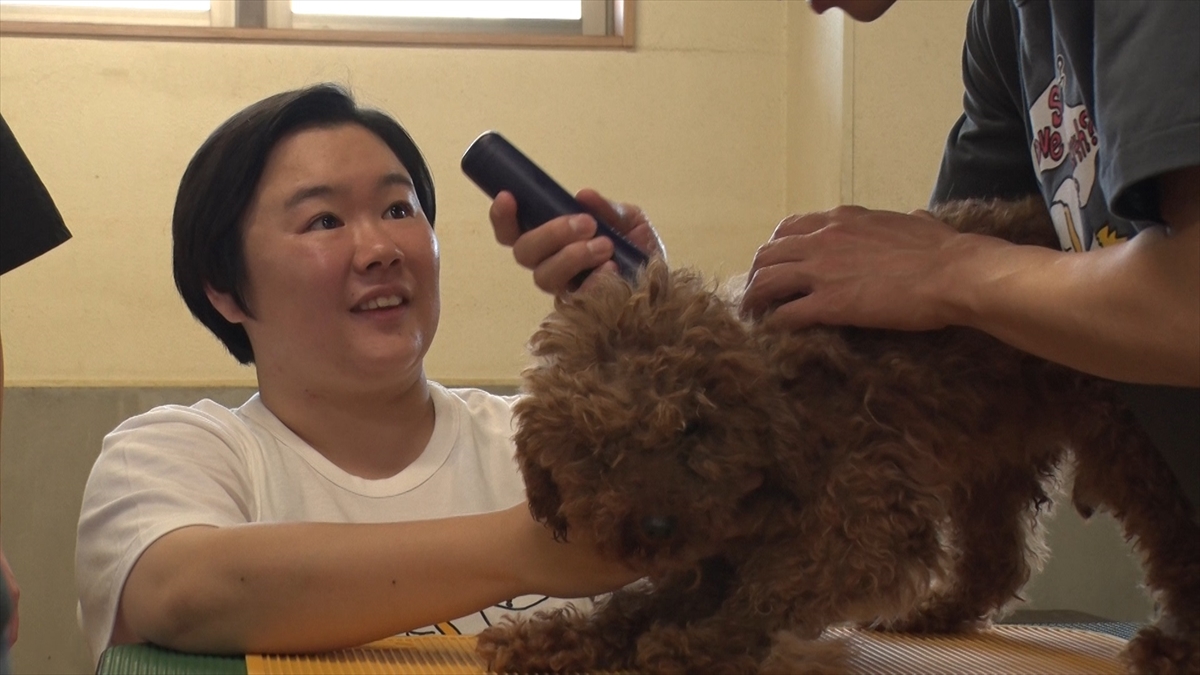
x=225 y=305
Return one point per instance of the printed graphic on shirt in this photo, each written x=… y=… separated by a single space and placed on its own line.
x=1064 y=148
x=477 y=622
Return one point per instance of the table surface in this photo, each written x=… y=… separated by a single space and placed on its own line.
x=150 y=659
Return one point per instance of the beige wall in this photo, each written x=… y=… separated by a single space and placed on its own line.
x=689 y=125
x=727 y=116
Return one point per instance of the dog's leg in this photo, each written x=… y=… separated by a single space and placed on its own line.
x=736 y=642
x=994 y=526
x=1119 y=470
x=868 y=546
x=611 y=637
x=790 y=654
x=714 y=645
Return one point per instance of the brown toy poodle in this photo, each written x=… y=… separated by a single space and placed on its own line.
x=774 y=483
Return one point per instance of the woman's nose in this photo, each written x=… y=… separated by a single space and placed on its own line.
x=374 y=247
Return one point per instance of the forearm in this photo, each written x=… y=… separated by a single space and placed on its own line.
x=1129 y=312
x=1 y=384
x=310 y=587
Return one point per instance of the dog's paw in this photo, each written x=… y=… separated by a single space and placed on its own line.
x=791 y=654
x=546 y=645
x=499 y=646
x=1154 y=651
x=670 y=650
x=931 y=620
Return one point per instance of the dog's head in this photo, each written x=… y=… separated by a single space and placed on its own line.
x=649 y=418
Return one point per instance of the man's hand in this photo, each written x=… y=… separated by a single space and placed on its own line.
x=854 y=266
x=560 y=249
x=1088 y=311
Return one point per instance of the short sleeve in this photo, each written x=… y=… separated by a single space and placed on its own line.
x=985 y=154
x=170 y=468
x=1147 y=91
x=30 y=224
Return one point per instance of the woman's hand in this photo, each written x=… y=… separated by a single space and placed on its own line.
x=560 y=249
x=570 y=569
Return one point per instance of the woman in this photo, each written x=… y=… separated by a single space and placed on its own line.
x=350 y=498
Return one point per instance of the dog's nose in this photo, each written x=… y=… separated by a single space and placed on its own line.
x=658 y=527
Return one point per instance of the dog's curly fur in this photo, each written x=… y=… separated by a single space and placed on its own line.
x=774 y=483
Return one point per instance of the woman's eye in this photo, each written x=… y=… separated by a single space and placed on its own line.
x=325 y=222
x=400 y=210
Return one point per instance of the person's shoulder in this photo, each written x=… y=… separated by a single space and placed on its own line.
x=989 y=22
x=475 y=400
x=205 y=418
x=475 y=413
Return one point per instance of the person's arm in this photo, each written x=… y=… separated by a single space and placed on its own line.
x=14 y=600
x=304 y=587
x=10 y=580
x=560 y=249
x=31 y=225
x=1129 y=312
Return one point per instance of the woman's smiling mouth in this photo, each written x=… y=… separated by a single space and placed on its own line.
x=379 y=303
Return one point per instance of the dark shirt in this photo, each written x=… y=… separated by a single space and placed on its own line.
x=1086 y=103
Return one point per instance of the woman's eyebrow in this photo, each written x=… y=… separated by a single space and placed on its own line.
x=395 y=178
x=387 y=180
x=307 y=193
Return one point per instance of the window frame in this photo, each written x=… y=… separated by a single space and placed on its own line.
x=250 y=19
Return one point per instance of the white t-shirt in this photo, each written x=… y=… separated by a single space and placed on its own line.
x=177 y=466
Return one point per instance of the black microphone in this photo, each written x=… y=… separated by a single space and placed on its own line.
x=494 y=164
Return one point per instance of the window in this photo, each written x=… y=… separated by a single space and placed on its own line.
x=569 y=23
x=132 y=12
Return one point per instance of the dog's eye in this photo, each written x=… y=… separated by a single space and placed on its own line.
x=658 y=528
x=692 y=428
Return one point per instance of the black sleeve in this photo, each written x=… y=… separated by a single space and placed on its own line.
x=986 y=153
x=30 y=224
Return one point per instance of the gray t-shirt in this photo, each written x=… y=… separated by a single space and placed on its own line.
x=1086 y=103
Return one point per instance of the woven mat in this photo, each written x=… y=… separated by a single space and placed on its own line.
x=427 y=655
x=1001 y=650
x=1007 y=650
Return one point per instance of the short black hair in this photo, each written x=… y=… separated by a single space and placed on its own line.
x=219 y=183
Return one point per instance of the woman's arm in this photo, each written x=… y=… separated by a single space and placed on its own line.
x=303 y=587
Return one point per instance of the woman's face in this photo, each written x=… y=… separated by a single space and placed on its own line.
x=341 y=265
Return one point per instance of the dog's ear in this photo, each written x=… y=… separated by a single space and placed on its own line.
x=579 y=330
x=543 y=497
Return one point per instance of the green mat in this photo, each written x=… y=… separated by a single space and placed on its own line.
x=151 y=660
